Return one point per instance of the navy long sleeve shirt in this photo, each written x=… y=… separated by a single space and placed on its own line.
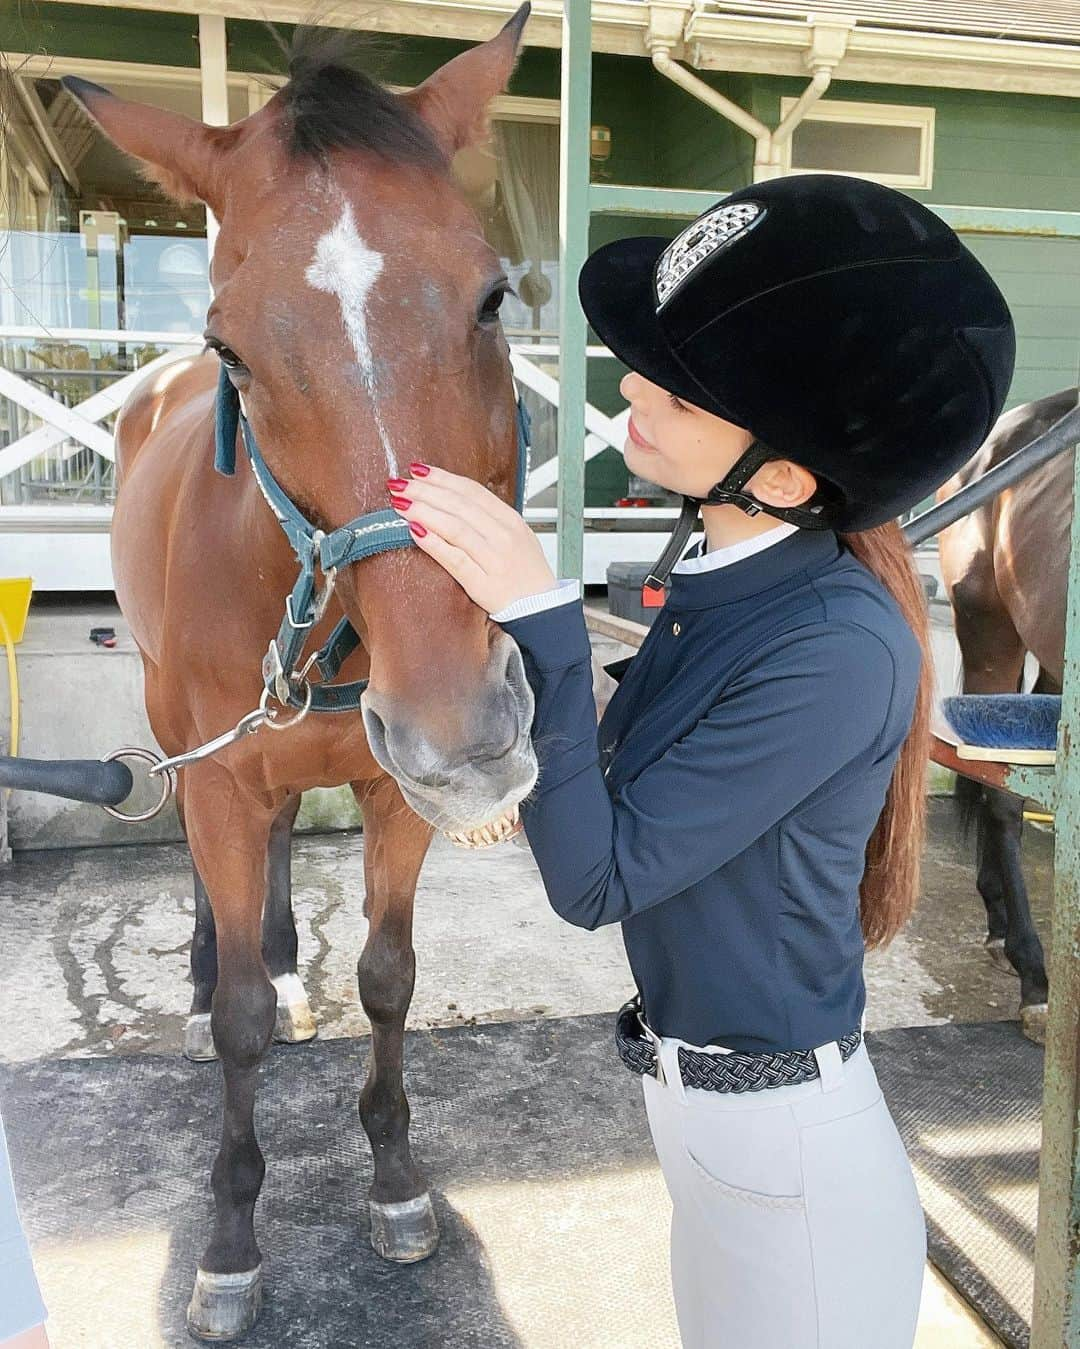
x=721 y=809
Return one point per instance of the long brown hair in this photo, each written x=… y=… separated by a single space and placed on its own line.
x=890 y=884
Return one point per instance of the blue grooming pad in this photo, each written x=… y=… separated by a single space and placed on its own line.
x=1005 y=720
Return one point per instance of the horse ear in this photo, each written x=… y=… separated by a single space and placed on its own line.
x=453 y=102
x=181 y=155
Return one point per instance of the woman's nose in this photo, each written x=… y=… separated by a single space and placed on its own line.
x=630 y=382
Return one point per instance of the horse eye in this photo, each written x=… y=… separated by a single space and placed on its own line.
x=489 y=310
x=226 y=355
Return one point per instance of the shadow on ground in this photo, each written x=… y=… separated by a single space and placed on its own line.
x=534 y=1141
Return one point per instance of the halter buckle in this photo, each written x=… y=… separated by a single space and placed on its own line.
x=297 y=627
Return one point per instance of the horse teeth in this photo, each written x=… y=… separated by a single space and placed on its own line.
x=488 y=834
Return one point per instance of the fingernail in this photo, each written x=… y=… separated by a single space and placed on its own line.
x=421 y=470
x=400 y=503
x=397 y=484
x=417 y=529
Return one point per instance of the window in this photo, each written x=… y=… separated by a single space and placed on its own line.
x=888 y=142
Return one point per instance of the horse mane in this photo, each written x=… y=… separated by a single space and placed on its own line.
x=331 y=104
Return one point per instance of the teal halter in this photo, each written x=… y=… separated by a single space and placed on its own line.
x=376 y=532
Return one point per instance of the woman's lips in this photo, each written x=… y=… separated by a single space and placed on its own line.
x=638 y=438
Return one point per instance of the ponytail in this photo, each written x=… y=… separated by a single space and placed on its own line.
x=890 y=883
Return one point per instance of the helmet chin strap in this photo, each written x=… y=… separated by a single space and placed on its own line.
x=727 y=492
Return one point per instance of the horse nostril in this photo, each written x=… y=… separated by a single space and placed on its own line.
x=501 y=730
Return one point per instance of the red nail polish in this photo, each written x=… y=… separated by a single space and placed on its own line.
x=401 y=503
x=417 y=529
x=421 y=470
x=397 y=484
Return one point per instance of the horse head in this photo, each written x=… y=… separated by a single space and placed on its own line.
x=356 y=310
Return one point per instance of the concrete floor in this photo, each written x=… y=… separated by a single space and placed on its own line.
x=101 y=937
x=95 y=962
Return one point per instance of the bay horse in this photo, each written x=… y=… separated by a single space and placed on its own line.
x=355 y=310
x=1006 y=571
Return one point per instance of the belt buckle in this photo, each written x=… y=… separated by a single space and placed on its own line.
x=654 y=1040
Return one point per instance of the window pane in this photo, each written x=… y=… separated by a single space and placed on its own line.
x=513 y=183
x=856 y=147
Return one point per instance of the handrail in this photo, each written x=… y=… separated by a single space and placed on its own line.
x=601 y=429
x=61 y=423
x=38 y=332
x=32 y=332
x=1062 y=436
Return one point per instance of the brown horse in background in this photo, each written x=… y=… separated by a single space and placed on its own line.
x=356 y=311
x=1006 y=572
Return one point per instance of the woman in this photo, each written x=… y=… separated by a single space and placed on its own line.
x=821 y=351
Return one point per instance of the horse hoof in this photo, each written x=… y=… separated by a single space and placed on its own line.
x=995 y=948
x=1033 y=1022
x=224 y=1306
x=404 y=1232
x=198 y=1041
x=294 y=1021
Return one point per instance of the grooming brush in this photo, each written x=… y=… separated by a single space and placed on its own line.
x=1005 y=720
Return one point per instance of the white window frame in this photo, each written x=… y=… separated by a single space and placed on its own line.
x=870 y=114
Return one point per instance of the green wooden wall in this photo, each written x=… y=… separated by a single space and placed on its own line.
x=991 y=149
x=100 y=33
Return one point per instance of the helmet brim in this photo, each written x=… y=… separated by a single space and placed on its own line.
x=616 y=291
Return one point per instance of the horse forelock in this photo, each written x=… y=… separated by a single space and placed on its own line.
x=330 y=104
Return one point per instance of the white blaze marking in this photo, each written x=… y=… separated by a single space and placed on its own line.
x=346 y=267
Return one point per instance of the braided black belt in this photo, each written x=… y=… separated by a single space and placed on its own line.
x=721 y=1072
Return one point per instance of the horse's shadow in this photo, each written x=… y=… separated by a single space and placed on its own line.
x=325 y=1288
x=532 y=1137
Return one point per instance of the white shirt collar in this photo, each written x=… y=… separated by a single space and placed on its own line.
x=734 y=552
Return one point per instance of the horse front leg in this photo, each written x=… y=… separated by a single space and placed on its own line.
x=198 y=1040
x=295 y=1021
x=229 y=835
x=403 y=1225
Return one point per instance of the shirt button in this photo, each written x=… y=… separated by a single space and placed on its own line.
x=676 y=629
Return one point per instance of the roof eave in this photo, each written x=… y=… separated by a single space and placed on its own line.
x=886 y=56
x=712 y=41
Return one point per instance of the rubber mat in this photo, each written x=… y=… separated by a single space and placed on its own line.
x=532 y=1135
x=534 y=1140
x=967 y=1101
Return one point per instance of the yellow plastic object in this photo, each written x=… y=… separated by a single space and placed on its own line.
x=15 y=604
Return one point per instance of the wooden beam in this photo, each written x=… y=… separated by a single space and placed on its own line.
x=35 y=110
x=214 y=78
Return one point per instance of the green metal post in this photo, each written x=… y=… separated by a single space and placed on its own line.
x=575 y=115
x=1056 y=1316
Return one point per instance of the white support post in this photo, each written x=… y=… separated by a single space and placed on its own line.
x=213 y=68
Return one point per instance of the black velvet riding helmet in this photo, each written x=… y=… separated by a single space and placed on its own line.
x=841 y=322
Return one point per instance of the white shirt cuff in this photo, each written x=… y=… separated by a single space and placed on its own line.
x=564 y=593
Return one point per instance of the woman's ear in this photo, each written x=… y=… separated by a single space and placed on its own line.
x=782 y=483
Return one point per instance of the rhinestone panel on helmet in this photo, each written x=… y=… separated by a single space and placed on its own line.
x=699 y=241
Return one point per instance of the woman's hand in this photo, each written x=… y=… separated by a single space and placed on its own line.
x=483 y=543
